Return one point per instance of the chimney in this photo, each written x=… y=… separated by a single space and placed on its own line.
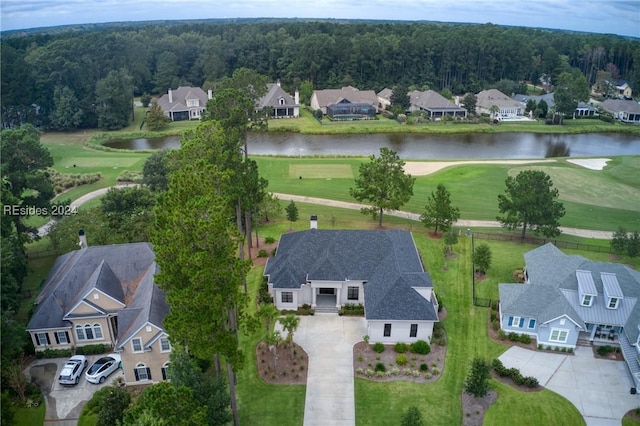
x=313 y=221
x=278 y=82
x=170 y=96
x=210 y=94
x=83 y=239
x=296 y=97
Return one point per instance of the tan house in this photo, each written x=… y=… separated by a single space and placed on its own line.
x=488 y=100
x=106 y=295
x=321 y=99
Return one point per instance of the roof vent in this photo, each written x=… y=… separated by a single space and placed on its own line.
x=313 y=221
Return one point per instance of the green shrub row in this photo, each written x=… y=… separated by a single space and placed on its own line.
x=263 y=292
x=130 y=176
x=54 y=353
x=522 y=338
x=93 y=349
x=555 y=348
x=420 y=347
x=514 y=374
x=605 y=350
x=351 y=309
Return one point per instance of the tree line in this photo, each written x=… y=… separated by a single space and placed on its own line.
x=62 y=80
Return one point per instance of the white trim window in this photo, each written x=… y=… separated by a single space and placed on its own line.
x=142 y=372
x=165 y=371
x=387 y=330
x=136 y=345
x=559 y=335
x=516 y=322
x=532 y=323
x=89 y=332
x=587 y=300
x=613 y=303
x=62 y=338
x=43 y=339
x=353 y=293
x=165 y=346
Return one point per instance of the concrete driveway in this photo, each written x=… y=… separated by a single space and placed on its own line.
x=64 y=403
x=328 y=339
x=599 y=388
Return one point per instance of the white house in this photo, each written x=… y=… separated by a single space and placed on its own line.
x=380 y=269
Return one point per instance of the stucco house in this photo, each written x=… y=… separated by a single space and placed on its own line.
x=384 y=98
x=106 y=295
x=380 y=269
x=623 y=89
x=321 y=99
x=568 y=300
x=623 y=110
x=184 y=103
x=507 y=107
x=280 y=103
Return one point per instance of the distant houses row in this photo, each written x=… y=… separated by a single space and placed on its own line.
x=350 y=103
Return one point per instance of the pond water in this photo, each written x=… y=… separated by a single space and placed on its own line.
x=422 y=146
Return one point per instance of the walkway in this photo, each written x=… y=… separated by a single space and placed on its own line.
x=328 y=339
x=599 y=388
x=586 y=233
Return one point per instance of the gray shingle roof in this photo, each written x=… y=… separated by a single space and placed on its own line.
x=620 y=105
x=179 y=99
x=113 y=269
x=548 y=269
x=333 y=96
x=387 y=260
x=430 y=100
x=273 y=96
x=490 y=97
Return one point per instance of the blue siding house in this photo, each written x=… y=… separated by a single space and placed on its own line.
x=569 y=300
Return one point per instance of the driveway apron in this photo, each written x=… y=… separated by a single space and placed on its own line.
x=328 y=340
x=599 y=388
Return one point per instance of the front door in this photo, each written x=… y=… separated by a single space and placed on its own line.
x=327 y=291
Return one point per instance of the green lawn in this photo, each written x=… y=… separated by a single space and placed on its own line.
x=30 y=416
x=602 y=200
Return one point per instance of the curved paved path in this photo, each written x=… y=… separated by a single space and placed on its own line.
x=586 y=233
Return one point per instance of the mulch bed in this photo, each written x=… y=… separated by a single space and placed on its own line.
x=284 y=370
x=614 y=356
x=473 y=408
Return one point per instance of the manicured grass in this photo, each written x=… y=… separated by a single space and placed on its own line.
x=308 y=124
x=593 y=199
x=260 y=403
x=30 y=416
x=627 y=421
x=38 y=271
x=509 y=411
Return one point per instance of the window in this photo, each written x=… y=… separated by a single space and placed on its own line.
x=193 y=102
x=89 y=332
x=80 y=332
x=281 y=101
x=353 y=293
x=136 y=344
x=165 y=371
x=43 y=339
x=96 y=296
x=387 y=330
x=414 y=330
x=587 y=300
x=287 y=297
x=613 y=303
x=165 y=346
x=532 y=323
x=516 y=322
x=142 y=372
x=62 y=337
x=97 y=331
x=558 y=335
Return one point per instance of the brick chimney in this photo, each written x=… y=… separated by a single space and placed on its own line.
x=210 y=94
x=170 y=96
x=83 y=239
x=313 y=221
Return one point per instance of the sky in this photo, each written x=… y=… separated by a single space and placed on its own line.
x=620 y=17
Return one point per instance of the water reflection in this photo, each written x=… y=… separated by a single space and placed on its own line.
x=557 y=149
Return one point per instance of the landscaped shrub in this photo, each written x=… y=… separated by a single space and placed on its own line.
x=400 y=348
x=605 y=350
x=495 y=324
x=269 y=240
x=514 y=337
x=369 y=372
x=530 y=382
x=502 y=335
x=378 y=347
x=54 y=353
x=401 y=359
x=380 y=367
x=494 y=315
x=360 y=370
x=406 y=371
x=420 y=347
x=499 y=368
x=262 y=253
x=439 y=337
x=525 y=338
x=395 y=371
x=424 y=367
x=92 y=349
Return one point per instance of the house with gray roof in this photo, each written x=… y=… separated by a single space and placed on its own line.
x=381 y=270
x=568 y=300
x=280 y=103
x=435 y=105
x=626 y=111
x=582 y=110
x=321 y=99
x=106 y=295
x=184 y=103
x=506 y=107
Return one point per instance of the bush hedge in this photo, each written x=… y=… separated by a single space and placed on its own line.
x=401 y=359
x=54 y=353
x=92 y=349
x=380 y=367
x=420 y=347
x=378 y=347
x=401 y=348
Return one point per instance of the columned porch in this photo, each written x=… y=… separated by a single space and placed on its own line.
x=325 y=296
x=601 y=334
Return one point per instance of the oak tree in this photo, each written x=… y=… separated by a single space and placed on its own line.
x=530 y=201
x=383 y=183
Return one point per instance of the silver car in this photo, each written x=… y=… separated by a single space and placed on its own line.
x=72 y=370
x=102 y=368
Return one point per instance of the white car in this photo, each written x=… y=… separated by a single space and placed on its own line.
x=102 y=368
x=72 y=370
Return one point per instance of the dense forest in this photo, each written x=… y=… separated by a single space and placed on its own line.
x=73 y=72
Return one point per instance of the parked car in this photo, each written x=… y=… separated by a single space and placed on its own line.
x=102 y=368
x=72 y=370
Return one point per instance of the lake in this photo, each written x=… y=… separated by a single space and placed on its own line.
x=425 y=146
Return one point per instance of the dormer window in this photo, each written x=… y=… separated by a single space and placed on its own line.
x=193 y=102
x=587 y=300
x=281 y=101
x=612 y=289
x=586 y=287
x=613 y=303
